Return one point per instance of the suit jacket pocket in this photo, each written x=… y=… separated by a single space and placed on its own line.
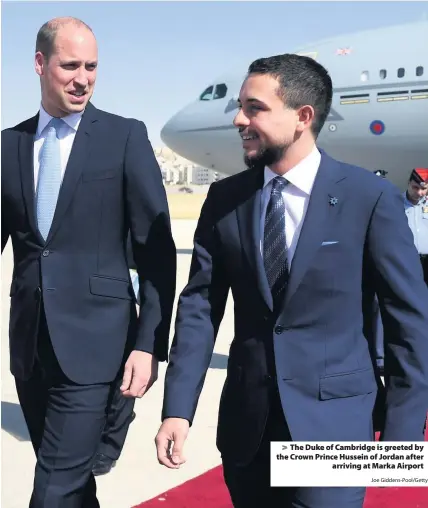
x=97 y=174
x=349 y=384
x=102 y=285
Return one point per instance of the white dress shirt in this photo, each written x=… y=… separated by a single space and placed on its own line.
x=296 y=196
x=66 y=136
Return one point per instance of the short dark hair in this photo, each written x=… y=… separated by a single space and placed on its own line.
x=302 y=81
x=45 y=41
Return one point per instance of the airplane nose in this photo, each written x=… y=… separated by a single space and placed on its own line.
x=179 y=132
x=172 y=133
x=175 y=132
x=166 y=132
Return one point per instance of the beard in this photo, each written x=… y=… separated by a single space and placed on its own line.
x=266 y=156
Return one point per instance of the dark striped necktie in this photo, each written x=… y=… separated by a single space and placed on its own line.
x=274 y=244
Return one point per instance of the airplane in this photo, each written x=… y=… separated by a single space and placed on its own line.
x=379 y=113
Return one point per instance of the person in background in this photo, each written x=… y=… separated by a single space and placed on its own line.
x=75 y=181
x=416 y=208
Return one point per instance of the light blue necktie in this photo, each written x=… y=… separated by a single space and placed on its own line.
x=49 y=181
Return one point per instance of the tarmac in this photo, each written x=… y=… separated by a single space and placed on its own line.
x=137 y=475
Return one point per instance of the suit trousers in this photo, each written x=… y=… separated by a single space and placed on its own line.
x=119 y=418
x=119 y=415
x=65 y=421
x=249 y=486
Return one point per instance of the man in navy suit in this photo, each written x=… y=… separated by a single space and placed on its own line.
x=296 y=238
x=75 y=180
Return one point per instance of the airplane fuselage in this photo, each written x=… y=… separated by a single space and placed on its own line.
x=379 y=114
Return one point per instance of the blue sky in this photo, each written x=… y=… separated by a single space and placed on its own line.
x=155 y=57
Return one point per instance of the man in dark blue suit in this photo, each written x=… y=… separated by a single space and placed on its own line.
x=297 y=238
x=75 y=180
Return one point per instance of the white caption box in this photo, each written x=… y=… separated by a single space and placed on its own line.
x=349 y=464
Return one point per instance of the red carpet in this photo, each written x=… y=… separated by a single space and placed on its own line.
x=208 y=491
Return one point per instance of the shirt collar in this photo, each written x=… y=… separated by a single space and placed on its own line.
x=72 y=120
x=302 y=175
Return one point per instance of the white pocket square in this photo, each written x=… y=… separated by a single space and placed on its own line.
x=329 y=243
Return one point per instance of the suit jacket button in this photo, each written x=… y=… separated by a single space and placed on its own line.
x=279 y=329
x=45 y=253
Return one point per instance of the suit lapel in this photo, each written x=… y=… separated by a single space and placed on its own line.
x=249 y=229
x=26 y=167
x=78 y=156
x=319 y=213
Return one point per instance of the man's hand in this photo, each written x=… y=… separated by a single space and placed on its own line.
x=141 y=371
x=170 y=441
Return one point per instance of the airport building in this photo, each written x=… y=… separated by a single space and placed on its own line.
x=178 y=171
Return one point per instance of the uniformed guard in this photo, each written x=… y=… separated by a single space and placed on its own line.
x=416 y=208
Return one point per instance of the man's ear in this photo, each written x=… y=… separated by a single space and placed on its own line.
x=306 y=116
x=40 y=63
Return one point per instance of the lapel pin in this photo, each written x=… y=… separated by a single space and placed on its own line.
x=333 y=201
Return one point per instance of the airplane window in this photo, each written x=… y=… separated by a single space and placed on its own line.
x=400 y=72
x=220 y=91
x=419 y=71
x=382 y=73
x=365 y=76
x=207 y=94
